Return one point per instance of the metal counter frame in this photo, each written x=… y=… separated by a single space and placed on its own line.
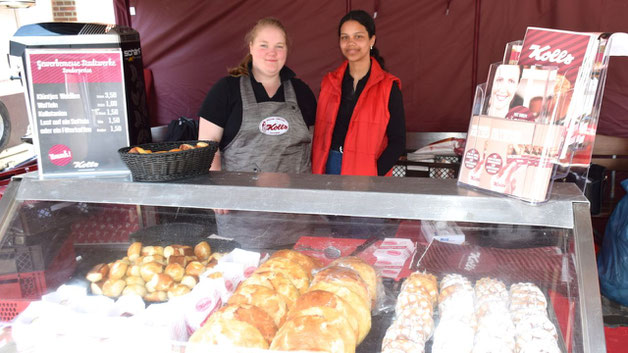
x=400 y=198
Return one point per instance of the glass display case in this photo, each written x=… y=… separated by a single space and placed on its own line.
x=54 y=232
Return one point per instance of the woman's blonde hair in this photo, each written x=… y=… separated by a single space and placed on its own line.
x=243 y=68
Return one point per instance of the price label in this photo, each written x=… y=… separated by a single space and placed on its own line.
x=79 y=110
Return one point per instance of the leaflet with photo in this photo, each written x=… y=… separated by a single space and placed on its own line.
x=574 y=54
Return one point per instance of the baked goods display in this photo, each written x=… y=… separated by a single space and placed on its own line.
x=288 y=303
x=366 y=272
x=239 y=325
x=324 y=299
x=414 y=310
x=155 y=273
x=182 y=147
x=311 y=333
x=327 y=311
x=481 y=318
x=456 y=328
x=534 y=332
x=360 y=303
x=262 y=297
x=260 y=304
x=494 y=325
x=334 y=314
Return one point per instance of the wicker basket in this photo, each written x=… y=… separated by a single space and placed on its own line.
x=169 y=165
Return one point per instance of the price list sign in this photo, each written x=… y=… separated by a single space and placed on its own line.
x=79 y=111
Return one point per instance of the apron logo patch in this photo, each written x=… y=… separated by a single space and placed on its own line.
x=274 y=125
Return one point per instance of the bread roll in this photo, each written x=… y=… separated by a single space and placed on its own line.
x=202 y=250
x=194 y=268
x=186 y=250
x=159 y=282
x=191 y=258
x=137 y=289
x=133 y=270
x=310 y=333
x=347 y=278
x=98 y=273
x=96 y=287
x=117 y=270
x=158 y=296
x=113 y=287
x=185 y=146
x=334 y=318
x=131 y=280
x=297 y=274
x=170 y=250
x=276 y=281
x=262 y=297
x=424 y=281
x=175 y=271
x=189 y=281
x=177 y=259
x=252 y=315
x=201 y=144
x=177 y=290
x=211 y=264
x=148 y=270
x=134 y=251
x=178 y=250
x=225 y=332
x=308 y=263
x=359 y=305
x=366 y=272
x=320 y=298
x=154 y=258
x=152 y=250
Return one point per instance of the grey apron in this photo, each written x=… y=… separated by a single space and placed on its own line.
x=272 y=138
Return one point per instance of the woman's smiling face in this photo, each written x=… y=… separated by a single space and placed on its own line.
x=504 y=86
x=269 y=50
x=355 y=43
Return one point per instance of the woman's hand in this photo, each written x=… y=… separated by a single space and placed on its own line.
x=210 y=131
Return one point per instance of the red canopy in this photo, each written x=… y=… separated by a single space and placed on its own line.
x=440 y=49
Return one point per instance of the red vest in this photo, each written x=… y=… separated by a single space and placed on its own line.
x=366 y=138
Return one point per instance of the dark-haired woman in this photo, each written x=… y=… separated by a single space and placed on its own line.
x=360 y=120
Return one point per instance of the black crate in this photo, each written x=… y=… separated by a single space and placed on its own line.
x=443 y=167
x=44 y=249
x=41 y=216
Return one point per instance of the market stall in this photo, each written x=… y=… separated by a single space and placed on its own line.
x=74 y=224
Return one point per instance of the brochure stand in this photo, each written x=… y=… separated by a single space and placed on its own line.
x=535 y=121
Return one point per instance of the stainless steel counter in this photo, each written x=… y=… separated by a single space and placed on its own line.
x=403 y=198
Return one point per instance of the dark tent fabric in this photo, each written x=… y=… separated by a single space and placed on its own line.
x=440 y=49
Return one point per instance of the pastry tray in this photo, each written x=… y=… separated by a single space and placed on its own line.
x=381 y=322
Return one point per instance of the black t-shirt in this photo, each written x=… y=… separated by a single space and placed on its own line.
x=395 y=131
x=223 y=104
